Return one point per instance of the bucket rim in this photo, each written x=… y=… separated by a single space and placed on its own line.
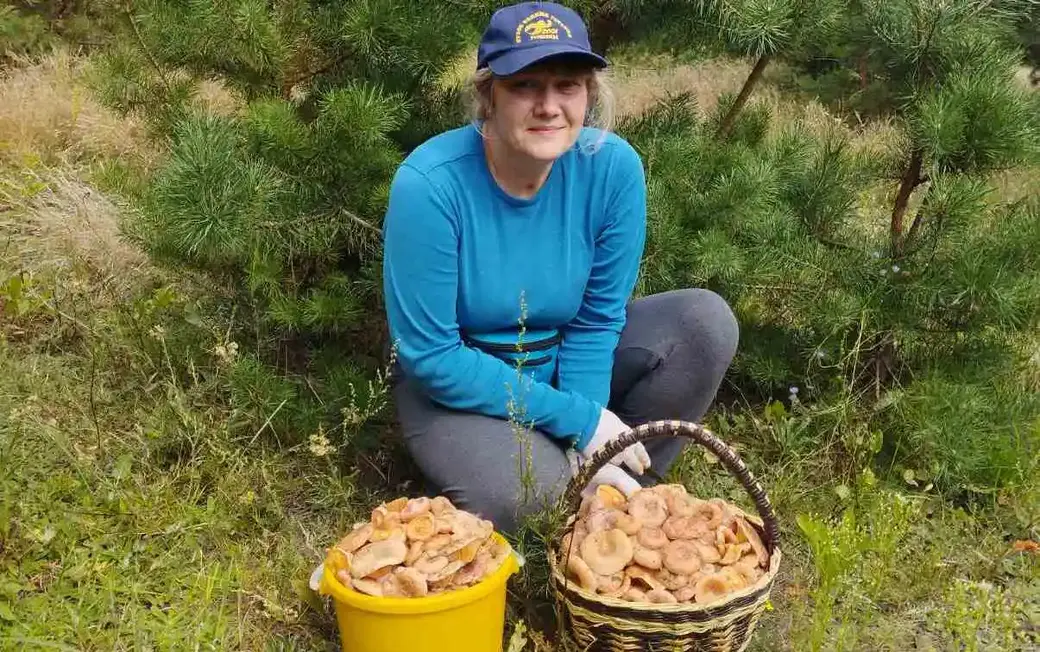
x=440 y=602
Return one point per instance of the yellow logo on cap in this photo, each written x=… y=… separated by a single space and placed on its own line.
x=541 y=26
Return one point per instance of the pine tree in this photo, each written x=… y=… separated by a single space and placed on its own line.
x=284 y=199
x=278 y=203
x=902 y=314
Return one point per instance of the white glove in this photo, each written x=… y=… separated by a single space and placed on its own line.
x=614 y=476
x=610 y=427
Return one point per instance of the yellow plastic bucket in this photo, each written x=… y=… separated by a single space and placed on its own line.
x=467 y=620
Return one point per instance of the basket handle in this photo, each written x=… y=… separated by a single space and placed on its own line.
x=697 y=433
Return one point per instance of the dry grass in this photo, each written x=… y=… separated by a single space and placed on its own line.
x=643 y=82
x=218 y=99
x=46 y=112
x=50 y=129
x=68 y=222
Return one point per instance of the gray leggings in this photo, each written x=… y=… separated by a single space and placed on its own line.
x=673 y=353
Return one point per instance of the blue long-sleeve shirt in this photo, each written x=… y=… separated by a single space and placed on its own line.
x=462 y=257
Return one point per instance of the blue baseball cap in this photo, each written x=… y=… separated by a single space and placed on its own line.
x=526 y=33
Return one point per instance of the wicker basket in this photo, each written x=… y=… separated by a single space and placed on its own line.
x=602 y=624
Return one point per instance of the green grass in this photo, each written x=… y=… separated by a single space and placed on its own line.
x=153 y=497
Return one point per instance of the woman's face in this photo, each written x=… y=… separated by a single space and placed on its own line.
x=540 y=112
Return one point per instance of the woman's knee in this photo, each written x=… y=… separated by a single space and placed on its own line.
x=507 y=506
x=709 y=320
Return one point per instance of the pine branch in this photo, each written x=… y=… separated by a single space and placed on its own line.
x=360 y=222
x=911 y=179
x=745 y=92
x=128 y=9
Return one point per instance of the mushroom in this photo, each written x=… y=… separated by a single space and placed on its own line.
x=376 y=555
x=607 y=551
x=591 y=503
x=734 y=578
x=634 y=595
x=356 y=537
x=379 y=573
x=473 y=571
x=410 y=582
x=652 y=537
x=384 y=519
x=601 y=519
x=734 y=551
x=650 y=508
x=728 y=513
x=686 y=593
x=415 y=507
x=499 y=552
x=683 y=527
x=613 y=585
x=466 y=527
x=336 y=559
x=680 y=504
x=577 y=567
x=570 y=544
x=343 y=577
x=371 y=587
x=415 y=550
x=444 y=523
x=640 y=574
x=611 y=496
x=723 y=536
x=441 y=505
x=681 y=557
x=646 y=557
x=468 y=552
x=748 y=567
x=708 y=553
x=709 y=510
x=660 y=596
x=396 y=505
x=421 y=527
x=436 y=542
x=669 y=489
x=748 y=533
x=447 y=572
x=628 y=524
x=672 y=581
x=441 y=585
x=430 y=565
x=710 y=588
x=393 y=532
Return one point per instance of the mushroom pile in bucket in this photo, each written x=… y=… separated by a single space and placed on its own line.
x=661 y=545
x=415 y=547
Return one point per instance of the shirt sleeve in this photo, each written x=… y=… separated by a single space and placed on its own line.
x=586 y=358
x=420 y=284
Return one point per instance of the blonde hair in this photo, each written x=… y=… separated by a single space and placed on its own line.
x=600 y=115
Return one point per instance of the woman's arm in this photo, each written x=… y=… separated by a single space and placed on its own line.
x=420 y=283
x=586 y=358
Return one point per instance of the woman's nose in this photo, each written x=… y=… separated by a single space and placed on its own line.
x=548 y=102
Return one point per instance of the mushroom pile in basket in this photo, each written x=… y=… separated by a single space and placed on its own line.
x=661 y=545
x=416 y=547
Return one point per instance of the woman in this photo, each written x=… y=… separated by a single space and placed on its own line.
x=525 y=230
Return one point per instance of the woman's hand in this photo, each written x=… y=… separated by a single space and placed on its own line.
x=614 y=476
x=610 y=428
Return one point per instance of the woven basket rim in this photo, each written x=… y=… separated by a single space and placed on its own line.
x=561 y=583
